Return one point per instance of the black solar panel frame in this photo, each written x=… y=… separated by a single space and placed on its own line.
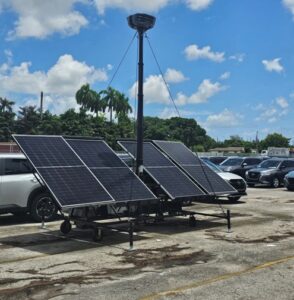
x=124 y=166
x=149 y=172
x=197 y=163
x=111 y=201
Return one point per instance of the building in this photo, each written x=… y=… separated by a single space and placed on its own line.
x=7 y=147
x=226 y=150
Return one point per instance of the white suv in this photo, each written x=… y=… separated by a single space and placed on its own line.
x=21 y=191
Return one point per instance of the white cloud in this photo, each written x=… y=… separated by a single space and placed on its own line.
x=155 y=90
x=225 y=76
x=273 y=113
x=226 y=118
x=109 y=67
x=273 y=65
x=174 y=76
x=148 y=6
x=131 y=5
x=282 y=102
x=289 y=4
x=68 y=73
x=272 y=120
x=193 y=52
x=205 y=90
x=239 y=57
x=39 y=19
x=169 y=112
x=60 y=83
x=198 y=4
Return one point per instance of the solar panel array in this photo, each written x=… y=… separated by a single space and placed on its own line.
x=195 y=168
x=111 y=171
x=171 y=179
x=68 y=179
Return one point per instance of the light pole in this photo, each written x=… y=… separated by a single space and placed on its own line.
x=141 y=23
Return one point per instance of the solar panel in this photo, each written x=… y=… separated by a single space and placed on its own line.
x=195 y=168
x=111 y=171
x=71 y=183
x=171 y=179
x=47 y=151
x=152 y=157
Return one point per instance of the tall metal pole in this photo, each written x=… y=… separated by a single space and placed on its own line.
x=139 y=158
x=141 y=23
x=41 y=106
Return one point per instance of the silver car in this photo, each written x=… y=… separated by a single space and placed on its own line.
x=21 y=191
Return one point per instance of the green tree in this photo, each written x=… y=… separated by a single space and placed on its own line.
x=155 y=128
x=7 y=117
x=116 y=102
x=28 y=120
x=50 y=124
x=185 y=130
x=90 y=100
x=274 y=140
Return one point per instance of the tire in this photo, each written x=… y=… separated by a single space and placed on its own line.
x=290 y=188
x=234 y=198
x=65 y=227
x=43 y=202
x=251 y=184
x=275 y=182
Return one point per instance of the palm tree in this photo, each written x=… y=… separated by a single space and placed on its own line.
x=116 y=102
x=123 y=107
x=89 y=99
x=109 y=98
x=6 y=105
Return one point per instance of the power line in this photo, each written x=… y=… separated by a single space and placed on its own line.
x=168 y=89
x=123 y=58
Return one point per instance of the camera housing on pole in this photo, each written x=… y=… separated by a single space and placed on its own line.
x=141 y=23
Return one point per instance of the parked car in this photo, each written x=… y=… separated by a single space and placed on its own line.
x=217 y=160
x=235 y=180
x=270 y=172
x=239 y=165
x=289 y=181
x=21 y=191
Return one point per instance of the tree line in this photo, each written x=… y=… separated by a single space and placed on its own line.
x=89 y=120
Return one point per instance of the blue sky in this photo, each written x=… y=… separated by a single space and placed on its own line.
x=228 y=63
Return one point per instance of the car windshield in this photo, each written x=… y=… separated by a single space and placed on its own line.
x=269 y=164
x=232 y=162
x=212 y=166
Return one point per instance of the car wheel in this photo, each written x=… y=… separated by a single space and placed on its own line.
x=290 y=188
x=234 y=198
x=251 y=184
x=43 y=205
x=275 y=182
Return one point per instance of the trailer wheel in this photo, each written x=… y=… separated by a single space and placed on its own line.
x=97 y=234
x=65 y=227
x=192 y=221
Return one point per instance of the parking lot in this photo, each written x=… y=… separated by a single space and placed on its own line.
x=170 y=260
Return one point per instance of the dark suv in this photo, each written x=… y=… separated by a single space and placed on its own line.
x=240 y=165
x=270 y=172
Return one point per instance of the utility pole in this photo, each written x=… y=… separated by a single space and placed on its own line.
x=141 y=23
x=41 y=106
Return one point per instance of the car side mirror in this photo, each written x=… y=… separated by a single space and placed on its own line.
x=282 y=167
x=244 y=164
